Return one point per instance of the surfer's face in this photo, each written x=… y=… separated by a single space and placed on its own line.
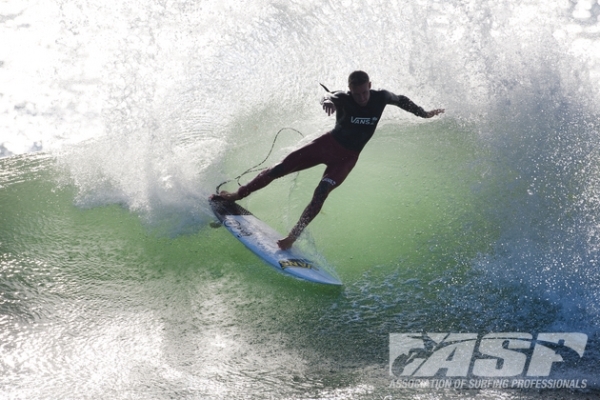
x=361 y=93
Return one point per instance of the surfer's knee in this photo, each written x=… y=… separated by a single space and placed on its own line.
x=324 y=188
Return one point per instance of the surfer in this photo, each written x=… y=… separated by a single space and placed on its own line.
x=358 y=112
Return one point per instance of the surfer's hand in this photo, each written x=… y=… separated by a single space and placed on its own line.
x=329 y=107
x=433 y=113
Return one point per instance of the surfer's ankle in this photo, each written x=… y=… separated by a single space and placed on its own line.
x=229 y=196
x=286 y=242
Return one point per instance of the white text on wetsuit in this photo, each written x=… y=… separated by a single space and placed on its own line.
x=363 y=121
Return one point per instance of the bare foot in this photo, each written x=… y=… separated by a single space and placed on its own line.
x=229 y=196
x=286 y=242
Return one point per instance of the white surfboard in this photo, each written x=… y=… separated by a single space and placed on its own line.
x=261 y=239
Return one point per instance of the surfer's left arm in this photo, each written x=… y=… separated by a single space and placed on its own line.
x=435 y=112
x=407 y=105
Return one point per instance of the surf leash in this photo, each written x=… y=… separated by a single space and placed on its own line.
x=256 y=167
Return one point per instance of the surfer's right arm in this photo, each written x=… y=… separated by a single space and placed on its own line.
x=328 y=102
x=328 y=106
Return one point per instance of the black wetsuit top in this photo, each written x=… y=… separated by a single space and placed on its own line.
x=355 y=125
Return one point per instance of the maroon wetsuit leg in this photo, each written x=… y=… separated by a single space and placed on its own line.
x=340 y=163
x=261 y=180
x=298 y=160
x=323 y=150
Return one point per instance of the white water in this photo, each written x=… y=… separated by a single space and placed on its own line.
x=83 y=69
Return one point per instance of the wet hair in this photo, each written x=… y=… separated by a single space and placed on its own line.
x=358 y=78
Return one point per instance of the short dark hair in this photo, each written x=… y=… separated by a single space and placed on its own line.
x=358 y=78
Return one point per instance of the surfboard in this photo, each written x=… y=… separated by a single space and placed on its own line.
x=261 y=239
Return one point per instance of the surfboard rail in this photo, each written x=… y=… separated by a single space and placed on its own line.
x=261 y=239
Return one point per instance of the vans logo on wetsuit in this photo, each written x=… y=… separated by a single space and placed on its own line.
x=363 y=121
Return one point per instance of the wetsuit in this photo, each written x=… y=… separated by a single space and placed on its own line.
x=338 y=149
x=355 y=125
